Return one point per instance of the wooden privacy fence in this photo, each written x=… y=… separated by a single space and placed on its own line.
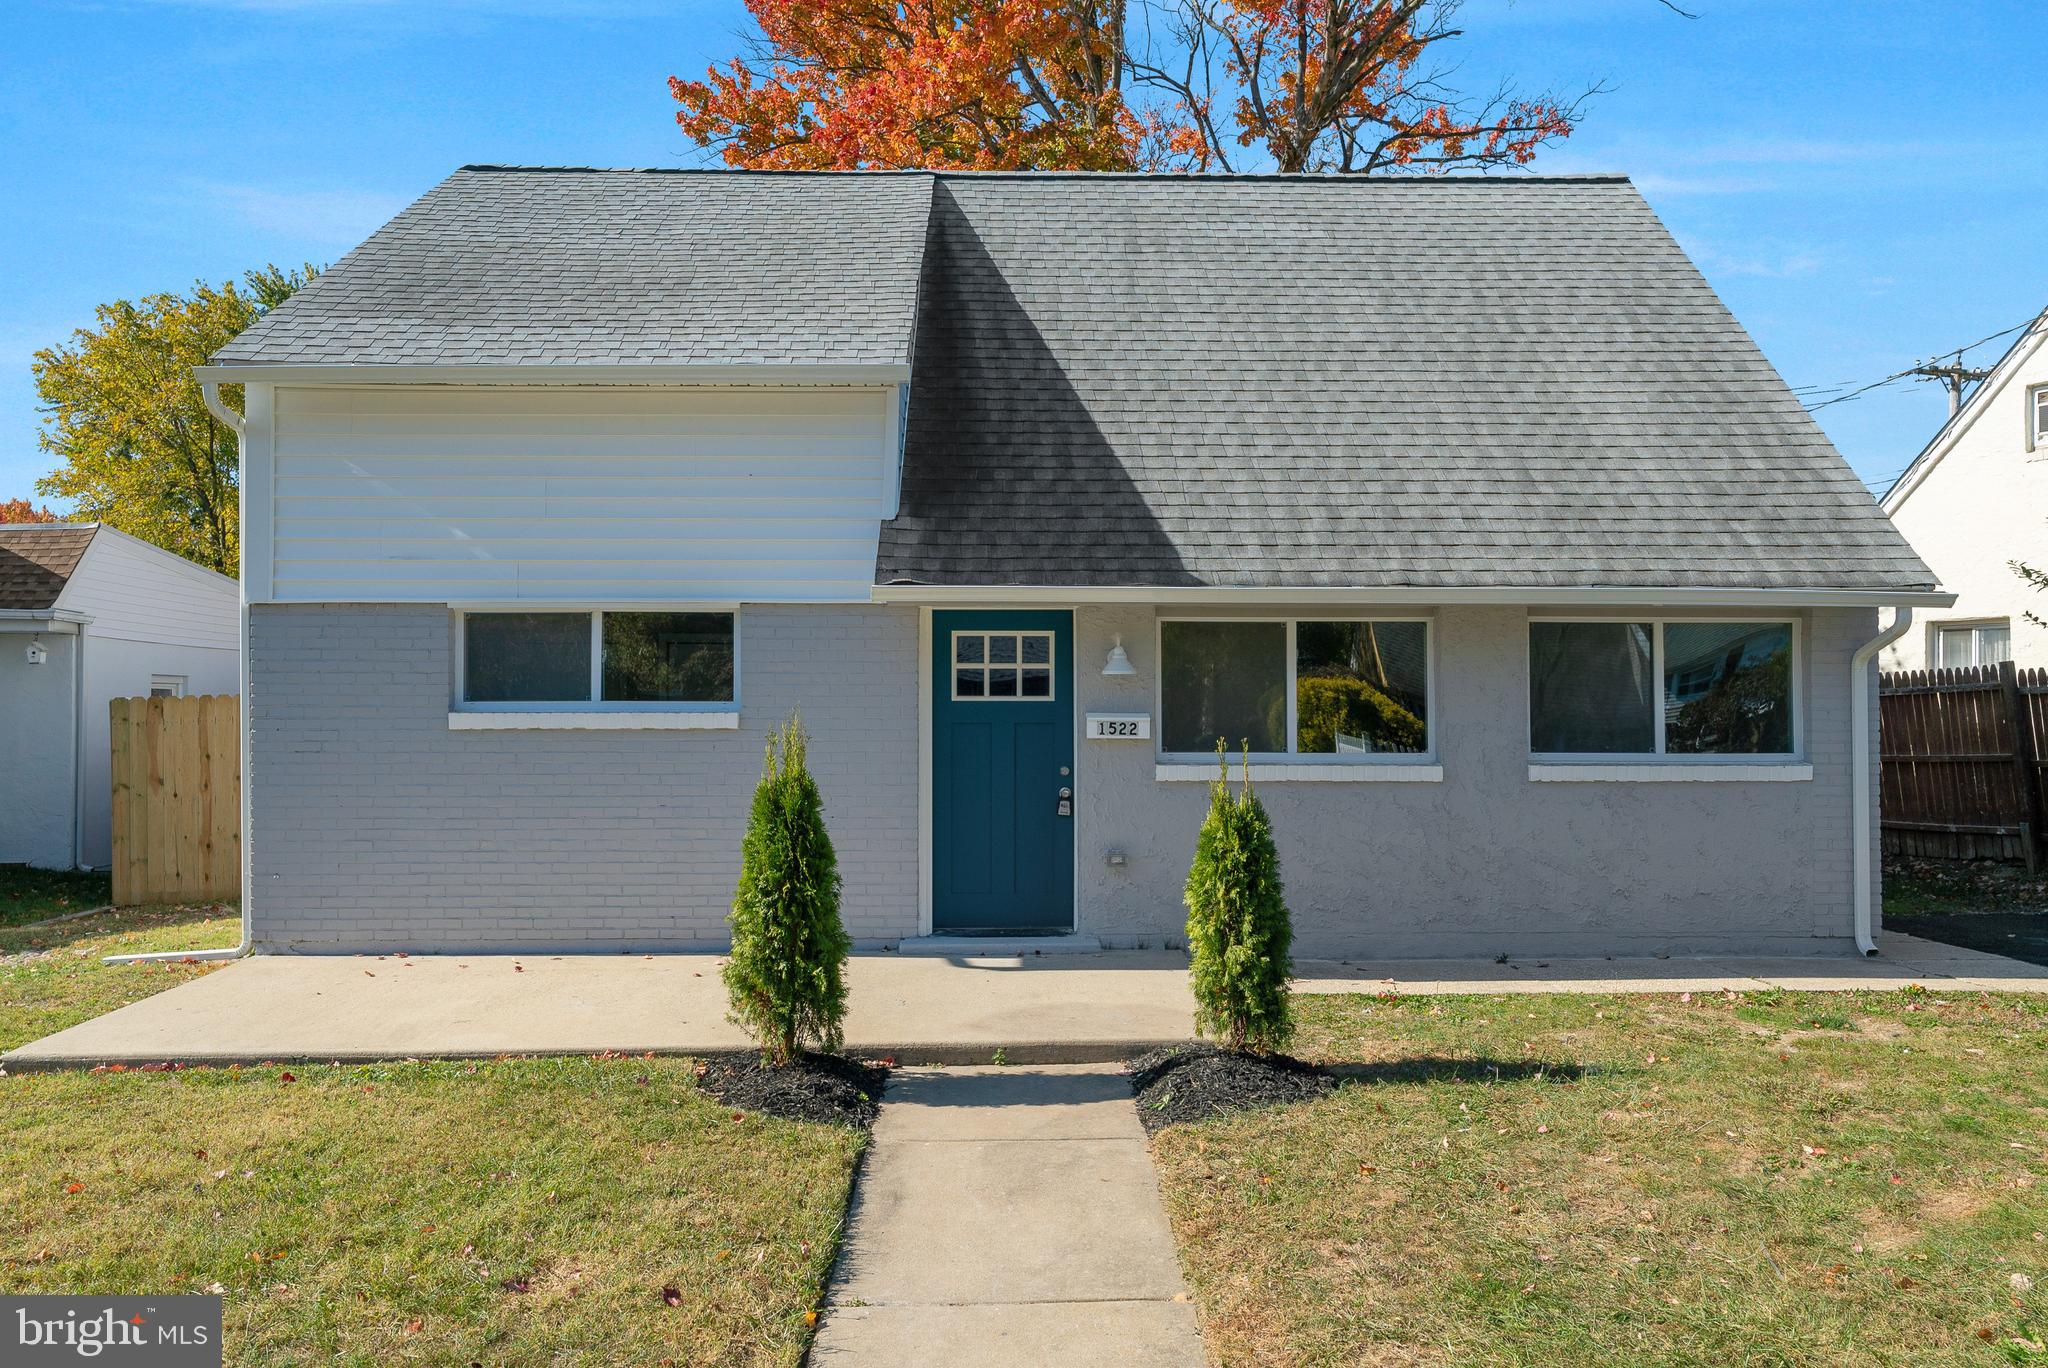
x=1962 y=762
x=177 y=773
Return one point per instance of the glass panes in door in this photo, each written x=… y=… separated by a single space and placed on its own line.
x=1002 y=665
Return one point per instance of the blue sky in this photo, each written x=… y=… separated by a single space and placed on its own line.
x=1863 y=180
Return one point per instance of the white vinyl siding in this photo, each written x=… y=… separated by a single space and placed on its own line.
x=482 y=494
x=137 y=592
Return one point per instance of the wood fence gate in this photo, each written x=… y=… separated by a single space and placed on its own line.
x=1962 y=762
x=177 y=775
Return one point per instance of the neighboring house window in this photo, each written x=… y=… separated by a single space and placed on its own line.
x=2037 y=417
x=624 y=660
x=1661 y=688
x=1971 y=643
x=167 y=686
x=1353 y=689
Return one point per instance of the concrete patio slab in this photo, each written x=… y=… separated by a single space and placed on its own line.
x=1036 y=1009
x=1008 y=1216
x=288 y=1008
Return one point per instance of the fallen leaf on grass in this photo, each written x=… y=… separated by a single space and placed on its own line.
x=672 y=1295
x=73 y=1188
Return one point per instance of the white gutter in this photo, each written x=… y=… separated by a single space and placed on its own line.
x=210 y=391
x=1506 y=595
x=1860 y=740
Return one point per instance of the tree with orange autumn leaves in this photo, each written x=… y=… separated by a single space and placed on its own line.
x=22 y=511
x=1109 y=85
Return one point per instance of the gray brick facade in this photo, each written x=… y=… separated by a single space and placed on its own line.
x=375 y=827
x=1488 y=862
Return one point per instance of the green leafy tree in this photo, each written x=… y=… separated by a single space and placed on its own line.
x=786 y=976
x=1239 y=930
x=136 y=446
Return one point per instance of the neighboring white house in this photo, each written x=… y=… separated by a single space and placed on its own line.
x=88 y=614
x=1972 y=502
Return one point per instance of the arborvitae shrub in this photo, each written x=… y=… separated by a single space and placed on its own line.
x=1239 y=931
x=786 y=976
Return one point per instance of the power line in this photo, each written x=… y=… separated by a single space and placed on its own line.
x=1954 y=374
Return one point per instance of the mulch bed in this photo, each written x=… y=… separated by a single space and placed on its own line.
x=1184 y=1083
x=829 y=1089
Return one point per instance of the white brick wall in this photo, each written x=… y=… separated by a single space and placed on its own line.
x=375 y=827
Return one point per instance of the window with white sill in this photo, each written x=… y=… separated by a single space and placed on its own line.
x=1645 y=690
x=1353 y=690
x=598 y=661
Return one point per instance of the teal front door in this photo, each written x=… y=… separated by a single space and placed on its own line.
x=1002 y=771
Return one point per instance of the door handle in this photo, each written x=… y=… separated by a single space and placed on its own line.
x=1066 y=807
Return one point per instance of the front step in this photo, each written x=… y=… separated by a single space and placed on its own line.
x=980 y=947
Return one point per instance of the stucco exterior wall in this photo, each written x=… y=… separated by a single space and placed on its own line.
x=36 y=751
x=1983 y=505
x=1487 y=862
x=376 y=827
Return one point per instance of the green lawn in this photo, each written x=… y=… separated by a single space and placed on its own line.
x=28 y=895
x=51 y=976
x=1772 y=1178
x=512 y=1212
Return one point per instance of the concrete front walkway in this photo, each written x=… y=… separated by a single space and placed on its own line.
x=921 y=1010
x=1008 y=1216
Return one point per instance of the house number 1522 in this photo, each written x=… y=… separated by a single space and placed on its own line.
x=1119 y=726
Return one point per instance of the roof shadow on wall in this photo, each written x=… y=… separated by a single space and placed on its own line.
x=1007 y=478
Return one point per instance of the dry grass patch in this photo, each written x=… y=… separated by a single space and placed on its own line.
x=1769 y=1178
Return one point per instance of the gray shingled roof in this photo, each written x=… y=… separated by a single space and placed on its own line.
x=1201 y=381
x=501 y=266
x=1293 y=382
x=37 y=560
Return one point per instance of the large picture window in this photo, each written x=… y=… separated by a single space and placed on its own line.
x=1342 y=688
x=623 y=660
x=1661 y=688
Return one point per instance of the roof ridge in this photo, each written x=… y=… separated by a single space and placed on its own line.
x=880 y=173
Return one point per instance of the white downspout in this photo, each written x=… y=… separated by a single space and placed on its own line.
x=1859 y=769
x=78 y=730
x=210 y=391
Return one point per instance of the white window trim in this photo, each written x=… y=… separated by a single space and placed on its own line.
x=1659 y=765
x=1292 y=766
x=1051 y=667
x=592 y=713
x=2037 y=416
x=1347 y=772
x=1673 y=772
x=174 y=683
x=593 y=721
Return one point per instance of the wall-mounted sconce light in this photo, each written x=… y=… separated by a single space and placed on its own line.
x=1119 y=664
